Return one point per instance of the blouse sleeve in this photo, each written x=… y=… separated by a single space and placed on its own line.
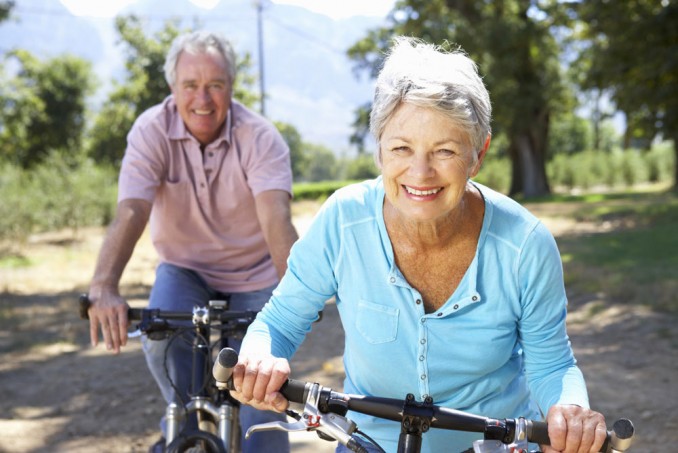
x=308 y=283
x=551 y=369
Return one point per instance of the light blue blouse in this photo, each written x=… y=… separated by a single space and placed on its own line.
x=498 y=347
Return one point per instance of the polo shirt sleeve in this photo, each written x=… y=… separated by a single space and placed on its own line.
x=550 y=365
x=266 y=161
x=142 y=169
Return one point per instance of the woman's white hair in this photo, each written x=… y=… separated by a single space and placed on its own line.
x=425 y=75
x=196 y=43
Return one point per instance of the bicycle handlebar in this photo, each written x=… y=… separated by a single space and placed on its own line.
x=149 y=317
x=327 y=400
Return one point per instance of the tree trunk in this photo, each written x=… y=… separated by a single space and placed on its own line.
x=528 y=168
x=527 y=150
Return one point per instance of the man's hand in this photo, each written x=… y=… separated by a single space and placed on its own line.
x=110 y=313
x=573 y=429
x=257 y=380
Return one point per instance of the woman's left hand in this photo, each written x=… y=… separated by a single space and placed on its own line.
x=573 y=429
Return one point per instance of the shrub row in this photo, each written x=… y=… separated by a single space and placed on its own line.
x=52 y=196
x=63 y=193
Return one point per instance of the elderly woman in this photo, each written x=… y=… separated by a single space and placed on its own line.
x=445 y=287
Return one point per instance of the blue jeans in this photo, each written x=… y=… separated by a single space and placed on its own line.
x=179 y=289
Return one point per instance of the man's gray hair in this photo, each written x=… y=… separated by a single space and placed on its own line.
x=425 y=75
x=196 y=43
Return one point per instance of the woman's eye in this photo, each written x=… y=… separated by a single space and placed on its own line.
x=445 y=153
x=401 y=149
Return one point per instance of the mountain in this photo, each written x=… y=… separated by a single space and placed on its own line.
x=308 y=78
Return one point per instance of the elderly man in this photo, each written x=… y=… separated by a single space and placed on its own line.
x=215 y=180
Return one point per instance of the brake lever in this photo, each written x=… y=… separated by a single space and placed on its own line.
x=134 y=334
x=332 y=425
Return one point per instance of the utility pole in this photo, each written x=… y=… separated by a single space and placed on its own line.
x=260 y=38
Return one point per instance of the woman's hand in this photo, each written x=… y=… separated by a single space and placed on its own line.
x=257 y=380
x=573 y=429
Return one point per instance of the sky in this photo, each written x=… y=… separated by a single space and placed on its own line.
x=337 y=9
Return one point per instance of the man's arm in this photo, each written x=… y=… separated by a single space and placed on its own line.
x=275 y=218
x=108 y=309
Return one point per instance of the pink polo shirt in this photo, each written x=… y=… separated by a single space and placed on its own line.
x=203 y=215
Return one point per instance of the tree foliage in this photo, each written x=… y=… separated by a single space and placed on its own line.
x=42 y=107
x=5 y=9
x=515 y=47
x=631 y=53
x=297 y=155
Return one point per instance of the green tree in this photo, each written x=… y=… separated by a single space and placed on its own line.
x=5 y=9
x=321 y=163
x=361 y=167
x=570 y=134
x=145 y=85
x=297 y=156
x=516 y=48
x=631 y=53
x=42 y=108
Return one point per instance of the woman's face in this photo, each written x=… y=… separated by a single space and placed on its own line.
x=426 y=161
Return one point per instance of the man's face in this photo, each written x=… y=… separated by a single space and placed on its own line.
x=202 y=91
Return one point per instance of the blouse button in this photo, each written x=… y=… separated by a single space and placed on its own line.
x=392 y=279
x=456 y=306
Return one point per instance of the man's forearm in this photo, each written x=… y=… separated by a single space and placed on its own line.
x=118 y=246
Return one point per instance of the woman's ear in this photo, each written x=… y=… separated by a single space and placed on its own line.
x=481 y=156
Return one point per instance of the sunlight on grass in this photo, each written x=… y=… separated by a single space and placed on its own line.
x=635 y=260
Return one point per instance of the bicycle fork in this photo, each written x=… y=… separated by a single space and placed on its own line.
x=226 y=416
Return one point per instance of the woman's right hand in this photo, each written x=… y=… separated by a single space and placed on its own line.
x=257 y=379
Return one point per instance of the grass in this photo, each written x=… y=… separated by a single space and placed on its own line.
x=634 y=257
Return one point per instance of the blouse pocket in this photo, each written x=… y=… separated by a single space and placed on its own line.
x=377 y=323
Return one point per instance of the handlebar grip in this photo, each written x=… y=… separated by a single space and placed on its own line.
x=295 y=391
x=83 y=306
x=84 y=303
x=539 y=433
x=135 y=314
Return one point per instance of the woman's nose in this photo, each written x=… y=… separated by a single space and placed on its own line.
x=421 y=165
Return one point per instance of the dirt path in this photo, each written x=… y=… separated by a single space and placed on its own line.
x=57 y=394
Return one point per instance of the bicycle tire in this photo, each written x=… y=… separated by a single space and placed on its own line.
x=196 y=441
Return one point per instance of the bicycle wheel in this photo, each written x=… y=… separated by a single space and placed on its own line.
x=196 y=442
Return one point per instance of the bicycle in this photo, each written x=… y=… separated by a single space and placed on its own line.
x=216 y=412
x=324 y=411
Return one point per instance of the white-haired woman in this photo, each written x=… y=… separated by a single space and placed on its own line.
x=445 y=287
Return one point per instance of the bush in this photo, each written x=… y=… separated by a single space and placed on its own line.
x=495 y=173
x=60 y=193
x=317 y=190
x=618 y=168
